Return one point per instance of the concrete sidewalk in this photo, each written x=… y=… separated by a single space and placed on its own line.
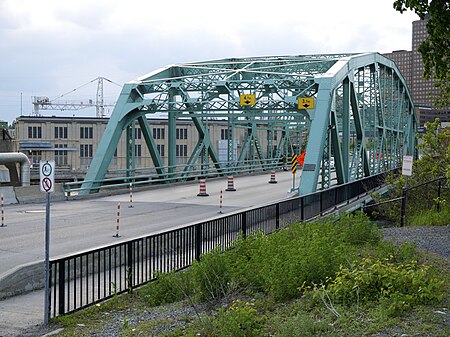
x=23 y=316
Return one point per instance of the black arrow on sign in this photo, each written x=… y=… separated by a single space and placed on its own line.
x=306 y=105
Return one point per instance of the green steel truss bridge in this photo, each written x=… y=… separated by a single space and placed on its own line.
x=352 y=113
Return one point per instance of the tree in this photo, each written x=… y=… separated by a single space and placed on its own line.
x=435 y=49
x=434 y=161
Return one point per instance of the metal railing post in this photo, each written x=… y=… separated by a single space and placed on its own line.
x=302 y=208
x=335 y=197
x=403 y=208
x=438 y=206
x=130 y=275
x=244 y=224
x=321 y=203
x=277 y=216
x=61 y=287
x=198 y=241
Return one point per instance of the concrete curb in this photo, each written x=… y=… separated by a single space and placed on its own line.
x=33 y=194
x=22 y=279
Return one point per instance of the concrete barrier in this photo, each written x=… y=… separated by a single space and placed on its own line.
x=9 y=196
x=22 y=279
x=33 y=194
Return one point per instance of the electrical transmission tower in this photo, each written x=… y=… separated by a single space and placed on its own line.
x=44 y=103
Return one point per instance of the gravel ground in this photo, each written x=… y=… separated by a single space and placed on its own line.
x=435 y=239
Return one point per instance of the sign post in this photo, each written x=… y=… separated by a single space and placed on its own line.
x=406 y=171
x=293 y=169
x=47 y=185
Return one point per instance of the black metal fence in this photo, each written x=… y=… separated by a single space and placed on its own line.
x=410 y=201
x=89 y=277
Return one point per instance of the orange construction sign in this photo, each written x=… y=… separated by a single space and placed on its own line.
x=301 y=158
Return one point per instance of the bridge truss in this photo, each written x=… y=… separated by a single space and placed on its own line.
x=361 y=117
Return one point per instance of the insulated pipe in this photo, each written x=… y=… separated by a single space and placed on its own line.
x=18 y=157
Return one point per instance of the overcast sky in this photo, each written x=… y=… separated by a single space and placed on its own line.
x=51 y=47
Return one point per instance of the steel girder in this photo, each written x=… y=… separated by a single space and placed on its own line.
x=364 y=121
x=211 y=90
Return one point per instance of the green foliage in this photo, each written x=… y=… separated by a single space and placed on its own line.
x=432 y=218
x=433 y=164
x=210 y=276
x=167 y=288
x=302 y=325
x=435 y=49
x=435 y=158
x=403 y=253
x=396 y=286
x=303 y=252
x=369 y=291
x=240 y=319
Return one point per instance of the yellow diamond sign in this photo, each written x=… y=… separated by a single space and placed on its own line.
x=306 y=102
x=247 y=99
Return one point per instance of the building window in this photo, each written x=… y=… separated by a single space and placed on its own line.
x=86 y=150
x=160 y=148
x=34 y=132
x=61 y=155
x=158 y=133
x=60 y=132
x=224 y=134
x=138 y=150
x=36 y=157
x=182 y=133
x=86 y=132
x=181 y=150
x=138 y=133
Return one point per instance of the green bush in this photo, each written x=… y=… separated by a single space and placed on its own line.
x=398 y=286
x=275 y=264
x=404 y=253
x=357 y=229
x=167 y=288
x=304 y=252
x=210 y=276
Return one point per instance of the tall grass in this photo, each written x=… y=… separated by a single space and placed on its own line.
x=431 y=218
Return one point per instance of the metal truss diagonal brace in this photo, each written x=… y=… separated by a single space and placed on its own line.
x=317 y=136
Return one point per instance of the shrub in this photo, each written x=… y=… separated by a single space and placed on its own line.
x=167 y=288
x=276 y=264
x=357 y=229
x=210 y=276
x=398 y=286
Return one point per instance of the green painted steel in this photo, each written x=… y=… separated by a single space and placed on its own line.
x=363 y=118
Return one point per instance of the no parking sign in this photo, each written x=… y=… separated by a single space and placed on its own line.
x=47 y=175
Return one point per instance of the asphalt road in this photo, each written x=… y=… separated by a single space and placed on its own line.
x=78 y=225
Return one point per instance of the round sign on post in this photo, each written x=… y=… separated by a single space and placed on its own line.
x=47 y=175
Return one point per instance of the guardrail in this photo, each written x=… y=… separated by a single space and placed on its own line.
x=89 y=277
x=147 y=176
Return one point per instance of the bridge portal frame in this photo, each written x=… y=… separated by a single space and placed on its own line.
x=363 y=117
